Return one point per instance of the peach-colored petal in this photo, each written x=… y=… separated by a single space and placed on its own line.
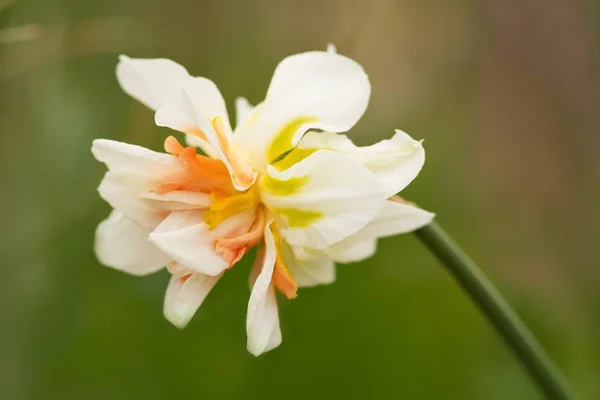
x=282 y=278
x=199 y=174
x=235 y=244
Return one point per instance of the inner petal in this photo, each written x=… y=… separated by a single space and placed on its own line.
x=224 y=206
x=242 y=171
x=199 y=173
x=282 y=277
x=233 y=245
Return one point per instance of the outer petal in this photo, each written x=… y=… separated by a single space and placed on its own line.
x=150 y=81
x=322 y=199
x=395 y=162
x=343 y=252
x=186 y=238
x=309 y=90
x=133 y=173
x=130 y=159
x=312 y=268
x=185 y=294
x=262 y=322
x=205 y=104
x=394 y=218
x=122 y=192
x=177 y=200
x=124 y=245
x=208 y=100
x=243 y=111
x=194 y=110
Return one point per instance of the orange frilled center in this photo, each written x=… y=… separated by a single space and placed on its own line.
x=202 y=174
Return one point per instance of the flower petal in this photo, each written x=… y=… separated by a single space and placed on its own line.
x=187 y=239
x=122 y=192
x=150 y=81
x=310 y=90
x=207 y=99
x=395 y=162
x=262 y=321
x=130 y=159
x=312 y=267
x=394 y=218
x=243 y=111
x=322 y=199
x=123 y=245
x=343 y=252
x=194 y=117
x=191 y=112
x=185 y=294
x=176 y=200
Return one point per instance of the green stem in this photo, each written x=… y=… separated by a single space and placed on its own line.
x=514 y=332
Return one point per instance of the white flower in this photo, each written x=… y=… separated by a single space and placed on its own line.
x=306 y=199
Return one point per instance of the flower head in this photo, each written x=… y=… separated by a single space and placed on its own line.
x=284 y=180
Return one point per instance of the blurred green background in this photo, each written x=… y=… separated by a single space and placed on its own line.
x=505 y=94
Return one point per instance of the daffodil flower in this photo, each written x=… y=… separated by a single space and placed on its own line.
x=300 y=195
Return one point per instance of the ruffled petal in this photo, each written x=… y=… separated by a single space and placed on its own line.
x=243 y=111
x=262 y=322
x=177 y=200
x=123 y=191
x=312 y=267
x=318 y=90
x=323 y=199
x=394 y=218
x=185 y=294
x=150 y=81
x=130 y=159
x=122 y=244
x=348 y=251
x=188 y=112
x=187 y=239
x=395 y=162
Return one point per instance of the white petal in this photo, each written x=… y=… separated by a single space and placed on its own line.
x=123 y=245
x=312 y=268
x=129 y=159
x=208 y=99
x=324 y=198
x=309 y=90
x=177 y=200
x=186 y=238
x=243 y=111
x=185 y=112
x=394 y=218
x=151 y=81
x=348 y=251
x=395 y=162
x=122 y=192
x=193 y=107
x=185 y=296
x=262 y=321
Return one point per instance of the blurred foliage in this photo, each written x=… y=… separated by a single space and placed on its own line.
x=505 y=95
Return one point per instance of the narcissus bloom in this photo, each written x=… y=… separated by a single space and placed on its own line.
x=285 y=180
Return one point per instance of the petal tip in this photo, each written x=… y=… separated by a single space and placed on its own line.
x=177 y=320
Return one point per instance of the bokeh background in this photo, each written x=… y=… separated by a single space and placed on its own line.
x=505 y=94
